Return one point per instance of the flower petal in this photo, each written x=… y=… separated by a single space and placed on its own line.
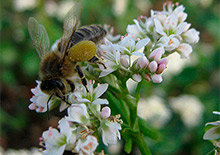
x=100 y=90
x=100 y=101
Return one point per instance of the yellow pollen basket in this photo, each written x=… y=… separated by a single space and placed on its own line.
x=82 y=51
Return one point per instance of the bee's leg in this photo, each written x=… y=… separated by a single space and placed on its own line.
x=97 y=60
x=72 y=86
x=63 y=98
x=82 y=76
x=48 y=110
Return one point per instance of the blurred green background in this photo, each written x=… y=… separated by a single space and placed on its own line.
x=197 y=77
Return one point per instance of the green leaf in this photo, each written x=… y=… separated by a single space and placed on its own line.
x=128 y=141
x=146 y=130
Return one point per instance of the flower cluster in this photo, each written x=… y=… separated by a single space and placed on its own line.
x=141 y=54
x=77 y=130
x=143 y=51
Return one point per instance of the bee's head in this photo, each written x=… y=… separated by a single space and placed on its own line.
x=52 y=86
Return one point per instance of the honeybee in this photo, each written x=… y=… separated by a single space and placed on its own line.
x=76 y=45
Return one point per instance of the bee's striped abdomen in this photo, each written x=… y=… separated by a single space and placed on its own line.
x=93 y=33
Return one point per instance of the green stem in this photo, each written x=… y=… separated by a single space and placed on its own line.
x=139 y=140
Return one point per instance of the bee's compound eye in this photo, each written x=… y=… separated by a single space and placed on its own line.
x=82 y=51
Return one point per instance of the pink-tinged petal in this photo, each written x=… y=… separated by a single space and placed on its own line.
x=142 y=62
x=163 y=61
x=41 y=109
x=212 y=134
x=124 y=61
x=161 y=68
x=32 y=106
x=156 y=54
x=142 y=43
x=156 y=78
x=100 y=101
x=153 y=66
x=100 y=90
x=106 y=112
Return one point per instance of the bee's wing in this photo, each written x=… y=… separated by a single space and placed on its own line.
x=71 y=23
x=39 y=37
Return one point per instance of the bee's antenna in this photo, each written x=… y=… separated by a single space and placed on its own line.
x=48 y=112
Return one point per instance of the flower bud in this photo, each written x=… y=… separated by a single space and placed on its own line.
x=163 y=61
x=153 y=66
x=191 y=36
x=147 y=77
x=184 y=50
x=156 y=54
x=156 y=78
x=106 y=112
x=142 y=62
x=161 y=68
x=124 y=62
x=137 y=77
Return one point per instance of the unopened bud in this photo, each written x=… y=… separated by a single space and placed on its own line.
x=163 y=61
x=147 y=77
x=142 y=62
x=161 y=68
x=153 y=66
x=156 y=54
x=106 y=112
x=124 y=62
x=137 y=77
x=156 y=78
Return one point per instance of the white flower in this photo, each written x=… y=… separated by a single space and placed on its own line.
x=169 y=42
x=184 y=50
x=129 y=46
x=56 y=142
x=78 y=113
x=39 y=100
x=169 y=26
x=110 y=132
x=92 y=96
x=111 y=57
x=86 y=146
x=191 y=36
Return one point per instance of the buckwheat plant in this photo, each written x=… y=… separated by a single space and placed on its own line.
x=141 y=55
